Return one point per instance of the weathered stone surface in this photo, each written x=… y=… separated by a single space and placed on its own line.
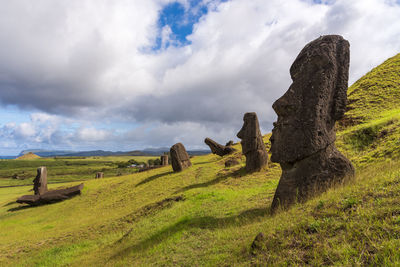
x=252 y=143
x=219 y=149
x=303 y=137
x=99 y=175
x=51 y=196
x=258 y=243
x=164 y=160
x=40 y=182
x=179 y=157
x=230 y=143
x=231 y=162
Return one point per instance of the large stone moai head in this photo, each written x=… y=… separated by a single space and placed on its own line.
x=303 y=137
x=316 y=99
x=40 y=182
x=253 y=146
x=164 y=160
x=179 y=157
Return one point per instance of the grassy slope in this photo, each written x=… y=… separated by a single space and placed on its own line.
x=132 y=220
x=373 y=116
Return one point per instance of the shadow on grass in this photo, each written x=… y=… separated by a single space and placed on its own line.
x=9 y=203
x=237 y=173
x=202 y=163
x=21 y=208
x=151 y=178
x=206 y=222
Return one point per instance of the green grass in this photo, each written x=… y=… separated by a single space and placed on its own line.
x=129 y=220
x=209 y=215
x=369 y=131
x=65 y=169
x=376 y=92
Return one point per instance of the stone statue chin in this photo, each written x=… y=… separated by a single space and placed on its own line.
x=303 y=137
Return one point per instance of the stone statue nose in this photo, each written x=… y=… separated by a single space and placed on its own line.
x=281 y=106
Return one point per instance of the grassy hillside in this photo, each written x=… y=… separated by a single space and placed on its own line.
x=209 y=215
x=370 y=128
x=376 y=94
x=64 y=169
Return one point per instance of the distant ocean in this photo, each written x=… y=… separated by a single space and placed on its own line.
x=8 y=157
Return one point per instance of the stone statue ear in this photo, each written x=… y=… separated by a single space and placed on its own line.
x=340 y=94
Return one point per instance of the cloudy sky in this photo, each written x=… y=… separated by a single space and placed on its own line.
x=132 y=74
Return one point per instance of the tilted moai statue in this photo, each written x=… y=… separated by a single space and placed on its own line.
x=219 y=149
x=253 y=146
x=164 y=160
x=43 y=195
x=179 y=157
x=99 y=175
x=303 y=136
x=40 y=182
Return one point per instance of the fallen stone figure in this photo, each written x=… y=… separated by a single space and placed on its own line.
x=51 y=196
x=43 y=195
x=219 y=149
x=303 y=137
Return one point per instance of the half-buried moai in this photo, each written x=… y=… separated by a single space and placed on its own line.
x=303 y=136
x=179 y=158
x=40 y=182
x=253 y=146
x=219 y=149
x=164 y=160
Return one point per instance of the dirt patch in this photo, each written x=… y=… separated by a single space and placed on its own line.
x=152 y=208
x=149 y=210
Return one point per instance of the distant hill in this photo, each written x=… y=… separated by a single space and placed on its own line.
x=27 y=156
x=45 y=152
x=145 y=152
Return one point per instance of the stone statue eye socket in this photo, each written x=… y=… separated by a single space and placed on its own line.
x=289 y=108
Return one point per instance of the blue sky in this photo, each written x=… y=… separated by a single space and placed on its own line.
x=180 y=20
x=126 y=75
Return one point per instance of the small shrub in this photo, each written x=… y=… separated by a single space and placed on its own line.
x=349 y=203
x=320 y=204
x=313 y=227
x=363 y=137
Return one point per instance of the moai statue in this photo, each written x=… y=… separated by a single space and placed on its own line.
x=303 y=136
x=164 y=160
x=219 y=149
x=40 y=182
x=253 y=146
x=179 y=157
x=99 y=175
x=44 y=196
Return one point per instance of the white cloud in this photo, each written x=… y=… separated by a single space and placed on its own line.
x=93 y=135
x=25 y=130
x=91 y=61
